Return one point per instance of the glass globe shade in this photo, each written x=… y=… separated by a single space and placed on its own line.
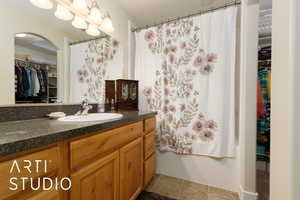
x=44 y=4
x=63 y=13
x=95 y=15
x=107 y=26
x=80 y=4
x=78 y=22
x=92 y=30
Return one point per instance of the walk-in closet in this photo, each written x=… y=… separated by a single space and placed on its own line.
x=35 y=70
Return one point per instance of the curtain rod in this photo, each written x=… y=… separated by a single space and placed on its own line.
x=233 y=3
x=83 y=41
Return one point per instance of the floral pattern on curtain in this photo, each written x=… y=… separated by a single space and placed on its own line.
x=93 y=63
x=93 y=71
x=184 y=74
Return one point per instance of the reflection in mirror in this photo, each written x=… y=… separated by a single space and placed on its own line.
x=92 y=63
x=35 y=69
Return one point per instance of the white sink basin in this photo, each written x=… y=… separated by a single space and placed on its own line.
x=91 y=117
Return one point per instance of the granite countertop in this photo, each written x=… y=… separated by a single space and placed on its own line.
x=17 y=136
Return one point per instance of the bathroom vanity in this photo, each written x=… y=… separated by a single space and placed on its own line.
x=113 y=160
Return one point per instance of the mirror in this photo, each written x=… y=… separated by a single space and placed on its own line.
x=55 y=62
x=35 y=69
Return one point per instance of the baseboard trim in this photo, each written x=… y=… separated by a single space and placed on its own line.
x=245 y=195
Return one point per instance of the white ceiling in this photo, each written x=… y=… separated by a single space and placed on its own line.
x=147 y=12
x=36 y=42
x=142 y=12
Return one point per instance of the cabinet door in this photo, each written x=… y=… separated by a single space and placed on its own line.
x=99 y=180
x=46 y=195
x=149 y=169
x=131 y=170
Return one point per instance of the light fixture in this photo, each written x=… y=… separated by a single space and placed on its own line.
x=63 y=13
x=107 y=26
x=80 y=5
x=95 y=15
x=21 y=35
x=79 y=22
x=88 y=14
x=92 y=30
x=44 y=4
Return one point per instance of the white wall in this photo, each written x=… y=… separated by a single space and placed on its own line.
x=295 y=139
x=120 y=20
x=221 y=173
x=280 y=115
x=248 y=98
x=285 y=126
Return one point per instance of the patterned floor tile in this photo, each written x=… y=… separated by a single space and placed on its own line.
x=153 y=182
x=184 y=190
x=193 y=191
x=220 y=194
x=168 y=186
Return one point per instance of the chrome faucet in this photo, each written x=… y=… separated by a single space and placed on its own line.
x=84 y=107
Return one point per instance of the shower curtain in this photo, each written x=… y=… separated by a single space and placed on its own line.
x=186 y=74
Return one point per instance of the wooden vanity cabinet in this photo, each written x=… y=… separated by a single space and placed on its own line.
x=112 y=165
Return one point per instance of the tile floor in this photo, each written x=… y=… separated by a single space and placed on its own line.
x=184 y=190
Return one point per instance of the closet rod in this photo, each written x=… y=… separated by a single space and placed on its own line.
x=28 y=61
x=201 y=12
x=87 y=40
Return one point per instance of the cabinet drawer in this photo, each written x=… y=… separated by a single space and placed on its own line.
x=48 y=165
x=149 y=125
x=149 y=169
x=86 y=149
x=149 y=144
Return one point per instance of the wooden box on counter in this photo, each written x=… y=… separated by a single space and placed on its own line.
x=110 y=90
x=127 y=94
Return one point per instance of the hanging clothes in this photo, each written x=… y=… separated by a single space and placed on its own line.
x=29 y=91
x=30 y=81
x=269 y=84
x=25 y=80
x=260 y=105
x=36 y=84
x=264 y=77
x=20 y=86
x=41 y=81
x=45 y=79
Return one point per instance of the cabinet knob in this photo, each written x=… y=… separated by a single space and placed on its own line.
x=129 y=165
